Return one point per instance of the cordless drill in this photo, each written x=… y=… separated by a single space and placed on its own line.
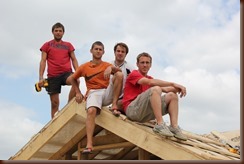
x=39 y=88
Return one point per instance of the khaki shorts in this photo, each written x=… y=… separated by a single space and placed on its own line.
x=140 y=109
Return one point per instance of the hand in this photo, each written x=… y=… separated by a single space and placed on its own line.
x=182 y=92
x=79 y=98
x=41 y=83
x=107 y=73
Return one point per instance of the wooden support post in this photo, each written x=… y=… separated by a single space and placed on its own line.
x=143 y=154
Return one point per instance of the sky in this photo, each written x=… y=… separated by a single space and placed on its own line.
x=195 y=43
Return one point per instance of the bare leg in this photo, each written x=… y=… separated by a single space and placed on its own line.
x=71 y=94
x=155 y=100
x=117 y=87
x=90 y=125
x=54 y=98
x=172 y=100
x=72 y=90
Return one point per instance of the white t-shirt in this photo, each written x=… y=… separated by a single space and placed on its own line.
x=126 y=70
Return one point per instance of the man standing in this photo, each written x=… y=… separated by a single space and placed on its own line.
x=143 y=100
x=58 y=55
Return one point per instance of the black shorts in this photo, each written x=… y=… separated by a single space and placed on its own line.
x=55 y=83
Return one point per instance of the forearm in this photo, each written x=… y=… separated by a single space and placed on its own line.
x=75 y=64
x=115 y=69
x=42 y=69
x=75 y=84
x=169 y=89
x=161 y=83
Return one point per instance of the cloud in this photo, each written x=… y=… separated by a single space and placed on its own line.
x=17 y=127
x=195 y=43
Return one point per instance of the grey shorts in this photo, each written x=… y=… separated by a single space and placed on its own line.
x=140 y=109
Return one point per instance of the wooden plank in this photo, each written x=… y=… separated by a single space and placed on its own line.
x=111 y=146
x=224 y=139
x=148 y=141
x=121 y=154
x=143 y=154
x=47 y=133
x=69 y=145
x=105 y=139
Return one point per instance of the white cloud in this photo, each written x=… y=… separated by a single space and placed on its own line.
x=194 y=42
x=17 y=127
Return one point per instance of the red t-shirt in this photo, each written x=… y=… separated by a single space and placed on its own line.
x=132 y=88
x=58 y=57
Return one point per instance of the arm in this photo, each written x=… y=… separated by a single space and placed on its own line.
x=173 y=87
x=111 y=70
x=42 y=65
x=115 y=69
x=79 y=97
x=74 y=60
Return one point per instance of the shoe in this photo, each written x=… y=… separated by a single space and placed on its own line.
x=87 y=151
x=162 y=130
x=178 y=133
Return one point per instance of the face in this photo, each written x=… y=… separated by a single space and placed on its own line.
x=144 y=65
x=120 y=54
x=97 y=52
x=58 y=33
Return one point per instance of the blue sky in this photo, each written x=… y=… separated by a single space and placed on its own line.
x=193 y=42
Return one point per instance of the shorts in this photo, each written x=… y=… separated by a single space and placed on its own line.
x=140 y=109
x=55 y=83
x=98 y=98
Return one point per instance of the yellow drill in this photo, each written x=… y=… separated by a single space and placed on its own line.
x=39 y=88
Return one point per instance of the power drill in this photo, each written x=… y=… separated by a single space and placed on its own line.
x=39 y=88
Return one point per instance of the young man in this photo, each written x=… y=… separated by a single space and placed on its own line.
x=58 y=55
x=120 y=52
x=143 y=100
x=97 y=76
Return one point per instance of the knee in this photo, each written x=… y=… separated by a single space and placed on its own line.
x=156 y=89
x=91 y=111
x=172 y=96
x=119 y=76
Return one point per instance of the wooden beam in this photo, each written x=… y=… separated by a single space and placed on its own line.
x=47 y=133
x=143 y=139
x=69 y=145
x=143 y=154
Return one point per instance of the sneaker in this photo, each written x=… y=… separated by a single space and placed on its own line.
x=178 y=133
x=162 y=130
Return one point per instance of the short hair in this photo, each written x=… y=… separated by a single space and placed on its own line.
x=99 y=43
x=122 y=45
x=57 y=25
x=143 y=54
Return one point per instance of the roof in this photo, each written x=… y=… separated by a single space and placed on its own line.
x=117 y=138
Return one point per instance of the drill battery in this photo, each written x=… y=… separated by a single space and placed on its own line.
x=39 y=88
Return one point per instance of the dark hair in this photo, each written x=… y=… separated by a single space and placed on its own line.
x=143 y=54
x=97 y=43
x=122 y=45
x=57 y=25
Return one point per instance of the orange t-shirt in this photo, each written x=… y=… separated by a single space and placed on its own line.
x=93 y=74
